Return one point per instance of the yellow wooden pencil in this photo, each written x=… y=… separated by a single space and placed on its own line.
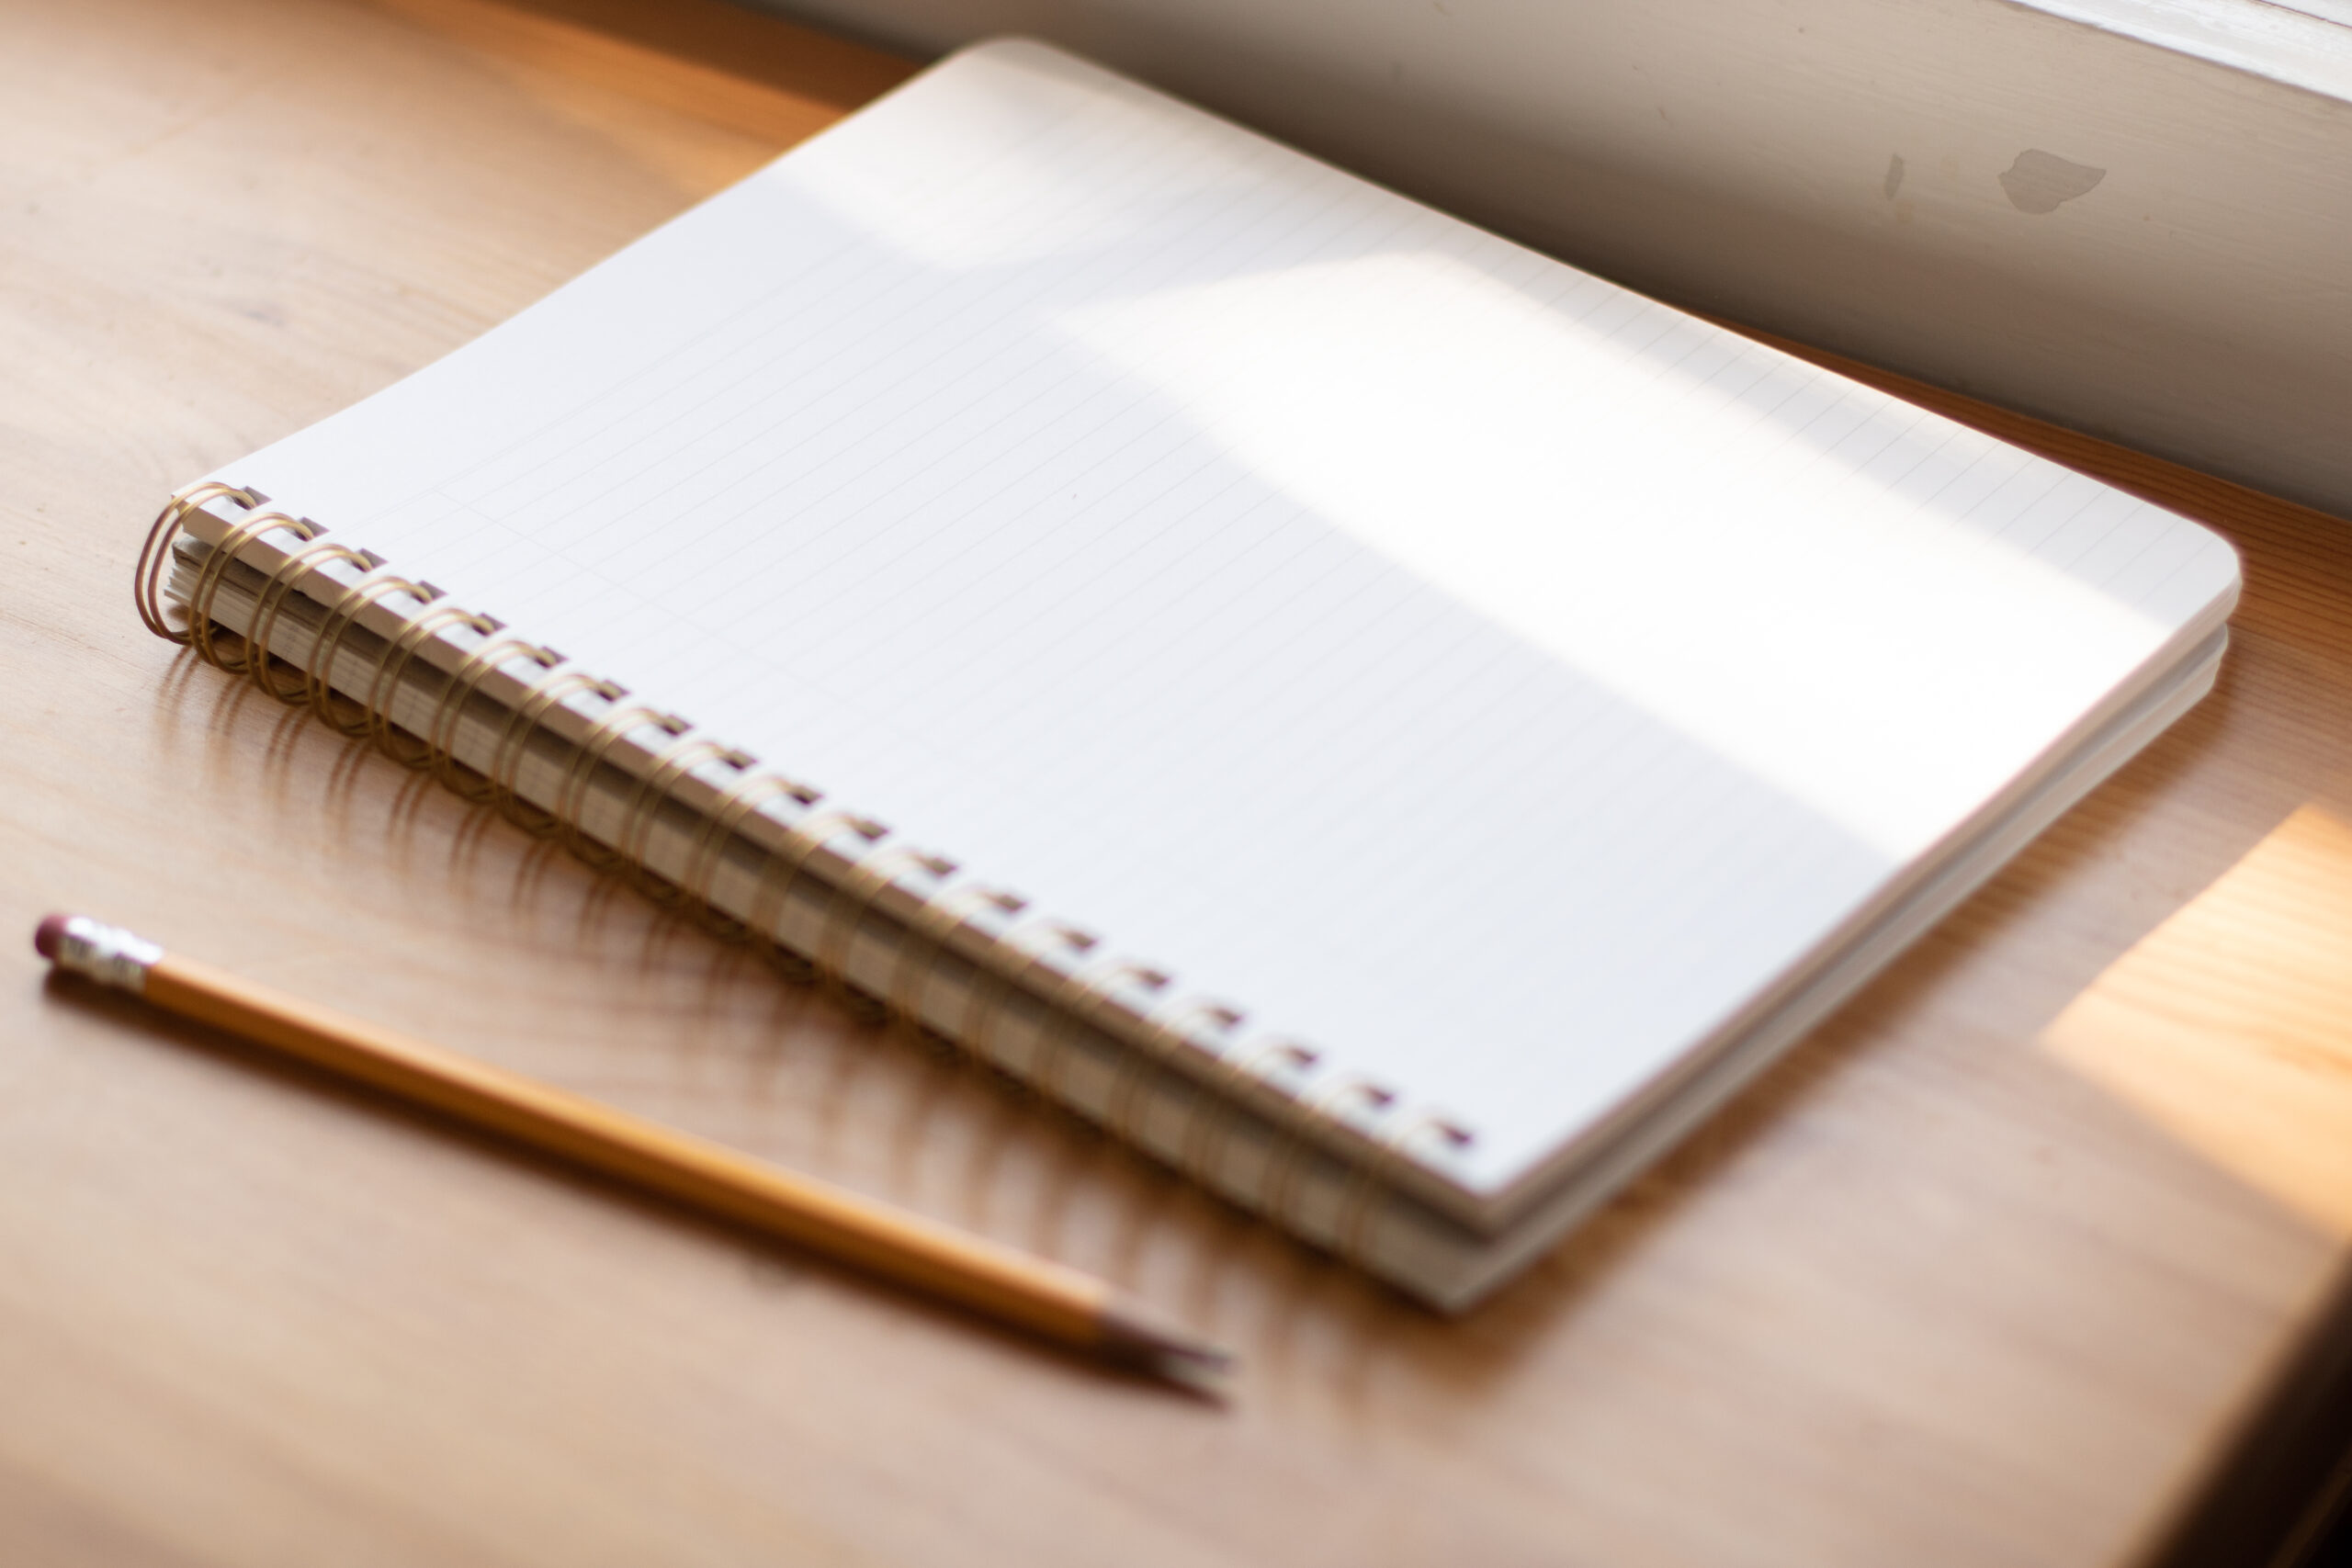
x=1013 y=1287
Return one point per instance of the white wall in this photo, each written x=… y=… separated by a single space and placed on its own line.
x=1739 y=156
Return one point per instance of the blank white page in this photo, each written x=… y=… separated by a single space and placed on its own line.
x=1461 y=665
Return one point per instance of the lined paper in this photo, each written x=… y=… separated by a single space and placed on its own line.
x=1464 y=665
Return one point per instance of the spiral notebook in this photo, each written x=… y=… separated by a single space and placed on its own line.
x=1390 y=724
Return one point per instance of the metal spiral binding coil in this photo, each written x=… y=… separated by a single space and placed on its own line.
x=506 y=757
x=570 y=804
x=1070 y=1007
x=677 y=760
x=1280 y=1180
x=986 y=1004
x=1058 y=965
x=147 y=576
x=733 y=808
x=1356 y=1233
x=207 y=584
x=448 y=714
x=391 y=670
x=340 y=619
x=771 y=896
x=907 y=997
x=277 y=589
x=1202 y=1154
x=854 y=893
x=1169 y=1032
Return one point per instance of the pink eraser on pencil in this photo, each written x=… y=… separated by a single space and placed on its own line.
x=48 y=935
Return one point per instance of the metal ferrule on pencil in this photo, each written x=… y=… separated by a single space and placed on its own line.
x=109 y=954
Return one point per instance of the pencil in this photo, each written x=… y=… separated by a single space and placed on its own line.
x=1047 y=1299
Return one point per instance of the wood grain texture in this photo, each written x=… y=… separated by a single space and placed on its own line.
x=1948 y=1287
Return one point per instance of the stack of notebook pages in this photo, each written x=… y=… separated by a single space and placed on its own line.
x=1390 y=724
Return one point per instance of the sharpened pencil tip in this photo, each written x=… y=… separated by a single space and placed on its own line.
x=1206 y=1371
x=1136 y=1336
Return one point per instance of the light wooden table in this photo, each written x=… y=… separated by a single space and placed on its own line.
x=2035 y=1255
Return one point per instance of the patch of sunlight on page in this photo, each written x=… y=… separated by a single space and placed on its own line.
x=1499 y=448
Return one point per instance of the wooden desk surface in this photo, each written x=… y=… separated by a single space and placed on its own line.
x=2009 y=1264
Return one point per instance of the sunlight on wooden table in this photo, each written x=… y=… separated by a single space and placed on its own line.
x=2225 y=1025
